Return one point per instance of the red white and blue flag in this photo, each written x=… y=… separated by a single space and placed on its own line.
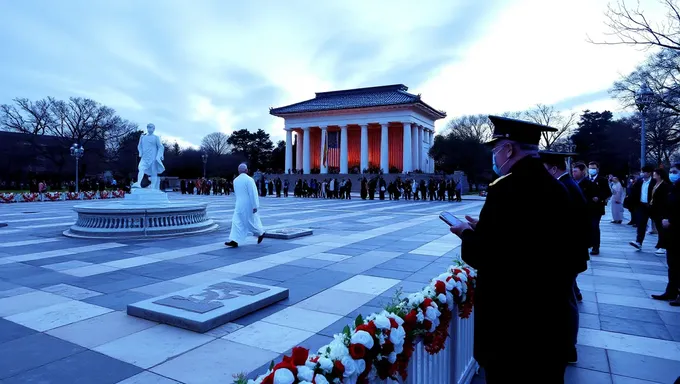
x=332 y=156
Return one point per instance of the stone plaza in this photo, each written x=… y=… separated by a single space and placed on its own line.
x=63 y=301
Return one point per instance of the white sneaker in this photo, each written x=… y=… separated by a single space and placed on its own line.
x=660 y=251
x=635 y=244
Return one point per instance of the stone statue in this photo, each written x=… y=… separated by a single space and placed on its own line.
x=151 y=151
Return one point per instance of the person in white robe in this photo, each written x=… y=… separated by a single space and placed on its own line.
x=618 y=194
x=246 y=216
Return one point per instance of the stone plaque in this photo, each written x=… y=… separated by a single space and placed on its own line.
x=288 y=233
x=204 y=307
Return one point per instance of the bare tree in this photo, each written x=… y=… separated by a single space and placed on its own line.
x=216 y=144
x=26 y=116
x=547 y=115
x=630 y=26
x=470 y=127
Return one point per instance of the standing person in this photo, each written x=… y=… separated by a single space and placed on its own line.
x=591 y=191
x=514 y=222
x=671 y=224
x=658 y=205
x=246 y=217
x=640 y=197
x=618 y=195
x=556 y=164
x=604 y=193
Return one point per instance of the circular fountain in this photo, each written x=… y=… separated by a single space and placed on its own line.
x=145 y=213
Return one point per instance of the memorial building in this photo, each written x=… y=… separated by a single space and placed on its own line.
x=385 y=127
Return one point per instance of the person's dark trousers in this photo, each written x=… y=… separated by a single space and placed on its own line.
x=643 y=218
x=662 y=241
x=552 y=373
x=595 y=231
x=673 y=260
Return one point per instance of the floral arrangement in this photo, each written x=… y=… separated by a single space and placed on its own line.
x=119 y=194
x=7 y=197
x=71 y=196
x=89 y=195
x=104 y=194
x=482 y=193
x=29 y=197
x=53 y=196
x=380 y=346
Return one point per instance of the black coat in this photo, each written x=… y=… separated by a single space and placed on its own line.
x=524 y=280
x=673 y=216
x=636 y=192
x=580 y=226
x=658 y=202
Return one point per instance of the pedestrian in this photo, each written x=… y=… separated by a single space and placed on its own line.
x=671 y=224
x=246 y=216
x=520 y=234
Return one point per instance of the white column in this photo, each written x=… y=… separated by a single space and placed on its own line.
x=384 y=148
x=289 y=150
x=343 y=150
x=414 y=147
x=421 y=163
x=431 y=141
x=406 y=159
x=364 y=148
x=298 y=151
x=323 y=168
x=306 y=157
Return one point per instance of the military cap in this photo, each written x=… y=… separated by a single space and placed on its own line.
x=555 y=158
x=505 y=128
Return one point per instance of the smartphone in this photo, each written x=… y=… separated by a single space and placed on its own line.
x=449 y=218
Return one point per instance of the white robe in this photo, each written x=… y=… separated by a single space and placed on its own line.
x=244 y=219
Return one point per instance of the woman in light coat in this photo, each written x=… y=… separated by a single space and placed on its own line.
x=618 y=194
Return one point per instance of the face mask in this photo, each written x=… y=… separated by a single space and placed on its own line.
x=674 y=177
x=592 y=172
x=497 y=169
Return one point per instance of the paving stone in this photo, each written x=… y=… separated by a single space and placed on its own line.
x=592 y=358
x=575 y=375
x=81 y=368
x=10 y=330
x=147 y=377
x=118 y=301
x=25 y=353
x=28 y=301
x=72 y=292
x=630 y=380
x=638 y=314
x=643 y=367
x=102 y=329
x=269 y=336
x=634 y=327
x=206 y=364
x=122 y=285
x=161 y=288
x=282 y=272
x=57 y=315
x=387 y=273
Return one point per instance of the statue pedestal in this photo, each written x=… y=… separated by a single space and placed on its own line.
x=144 y=213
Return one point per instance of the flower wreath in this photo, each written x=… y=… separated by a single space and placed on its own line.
x=53 y=196
x=89 y=195
x=118 y=194
x=71 y=196
x=104 y=194
x=381 y=345
x=7 y=197
x=29 y=197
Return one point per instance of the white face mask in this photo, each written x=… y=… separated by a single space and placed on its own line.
x=592 y=172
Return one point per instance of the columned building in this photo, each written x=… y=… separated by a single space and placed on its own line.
x=366 y=128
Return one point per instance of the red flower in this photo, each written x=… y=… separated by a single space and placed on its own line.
x=286 y=363
x=315 y=359
x=393 y=323
x=411 y=318
x=338 y=368
x=387 y=348
x=300 y=355
x=440 y=287
x=357 y=351
x=427 y=324
x=269 y=379
x=368 y=327
x=426 y=302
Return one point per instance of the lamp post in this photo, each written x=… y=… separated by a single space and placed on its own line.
x=643 y=98
x=571 y=148
x=77 y=152
x=205 y=162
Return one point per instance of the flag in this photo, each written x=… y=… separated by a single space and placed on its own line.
x=325 y=149
x=333 y=146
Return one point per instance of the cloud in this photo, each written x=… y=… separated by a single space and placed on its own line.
x=194 y=68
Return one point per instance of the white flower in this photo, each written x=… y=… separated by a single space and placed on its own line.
x=419 y=316
x=392 y=357
x=397 y=336
x=309 y=363
x=350 y=366
x=432 y=313
x=319 y=379
x=442 y=298
x=381 y=339
x=450 y=301
x=382 y=322
x=361 y=366
x=283 y=376
x=338 y=350
x=429 y=291
x=305 y=382
x=305 y=373
x=396 y=318
x=462 y=276
x=325 y=364
x=415 y=299
x=362 y=337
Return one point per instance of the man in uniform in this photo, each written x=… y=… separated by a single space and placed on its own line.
x=522 y=296
x=556 y=165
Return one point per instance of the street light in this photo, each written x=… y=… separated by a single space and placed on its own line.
x=77 y=151
x=205 y=162
x=643 y=98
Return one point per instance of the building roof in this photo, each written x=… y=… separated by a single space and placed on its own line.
x=386 y=95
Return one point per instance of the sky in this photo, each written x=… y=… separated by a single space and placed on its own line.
x=193 y=67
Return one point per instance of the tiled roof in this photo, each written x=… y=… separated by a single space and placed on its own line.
x=386 y=95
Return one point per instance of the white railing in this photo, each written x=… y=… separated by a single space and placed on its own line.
x=454 y=364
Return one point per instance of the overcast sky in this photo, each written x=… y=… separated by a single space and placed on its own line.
x=193 y=67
